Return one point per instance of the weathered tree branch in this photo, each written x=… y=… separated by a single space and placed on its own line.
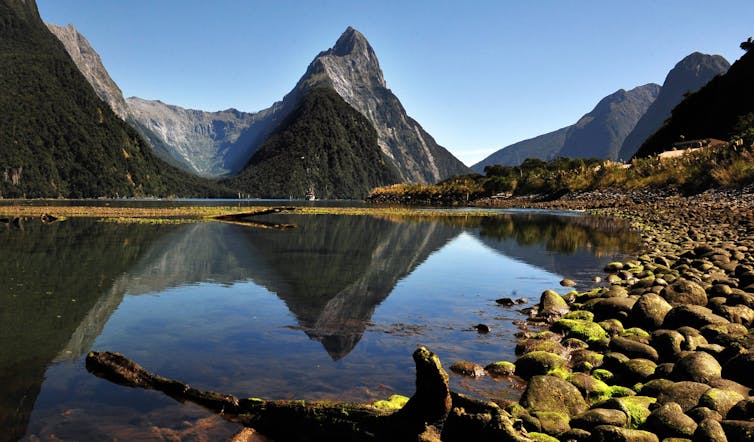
x=423 y=417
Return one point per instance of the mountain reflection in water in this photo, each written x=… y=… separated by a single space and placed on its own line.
x=62 y=282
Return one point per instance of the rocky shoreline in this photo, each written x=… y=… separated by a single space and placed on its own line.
x=664 y=351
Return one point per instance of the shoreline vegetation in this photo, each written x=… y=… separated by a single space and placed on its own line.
x=662 y=349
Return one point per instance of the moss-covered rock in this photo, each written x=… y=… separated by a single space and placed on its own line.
x=635 y=332
x=587 y=331
x=580 y=314
x=500 y=369
x=720 y=400
x=649 y=311
x=668 y=420
x=685 y=393
x=603 y=375
x=600 y=416
x=610 y=433
x=393 y=403
x=542 y=437
x=551 y=303
x=549 y=393
x=548 y=345
x=635 y=407
x=633 y=349
x=538 y=363
x=553 y=423
x=612 y=326
x=697 y=366
x=637 y=370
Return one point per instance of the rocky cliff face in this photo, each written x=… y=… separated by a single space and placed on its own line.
x=352 y=69
x=89 y=63
x=601 y=132
x=211 y=144
x=689 y=75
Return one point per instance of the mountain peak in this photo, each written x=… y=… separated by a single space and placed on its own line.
x=350 y=42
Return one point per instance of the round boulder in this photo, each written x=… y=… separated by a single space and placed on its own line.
x=649 y=311
x=538 y=363
x=684 y=292
x=709 y=430
x=669 y=421
x=549 y=393
x=697 y=366
x=694 y=316
x=551 y=303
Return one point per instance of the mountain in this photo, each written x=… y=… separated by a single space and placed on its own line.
x=221 y=144
x=351 y=68
x=324 y=145
x=57 y=138
x=89 y=63
x=600 y=133
x=712 y=112
x=544 y=147
x=689 y=75
x=211 y=144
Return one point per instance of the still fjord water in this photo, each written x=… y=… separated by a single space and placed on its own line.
x=331 y=309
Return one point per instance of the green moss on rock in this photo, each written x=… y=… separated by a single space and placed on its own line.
x=580 y=329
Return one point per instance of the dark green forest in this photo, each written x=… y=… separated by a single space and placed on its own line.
x=325 y=145
x=57 y=138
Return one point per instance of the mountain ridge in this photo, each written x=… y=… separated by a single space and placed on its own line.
x=714 y=111
x=57 y=137
x=687 y=76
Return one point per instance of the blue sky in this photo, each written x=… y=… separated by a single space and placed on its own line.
x=477 y=75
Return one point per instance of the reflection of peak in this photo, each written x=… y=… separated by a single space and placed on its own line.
x=332 y=272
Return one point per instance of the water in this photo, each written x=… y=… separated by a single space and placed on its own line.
x=332 y=309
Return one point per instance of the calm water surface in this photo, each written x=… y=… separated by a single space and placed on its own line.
x=331 y=309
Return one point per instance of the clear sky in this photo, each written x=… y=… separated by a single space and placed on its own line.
x=478 y=75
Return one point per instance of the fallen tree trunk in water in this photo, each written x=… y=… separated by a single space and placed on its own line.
x=433 y=413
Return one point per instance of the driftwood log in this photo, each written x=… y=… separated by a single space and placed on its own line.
x=244 y=218
x=433 y=413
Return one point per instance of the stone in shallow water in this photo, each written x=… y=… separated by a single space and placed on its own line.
x=466 y=368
